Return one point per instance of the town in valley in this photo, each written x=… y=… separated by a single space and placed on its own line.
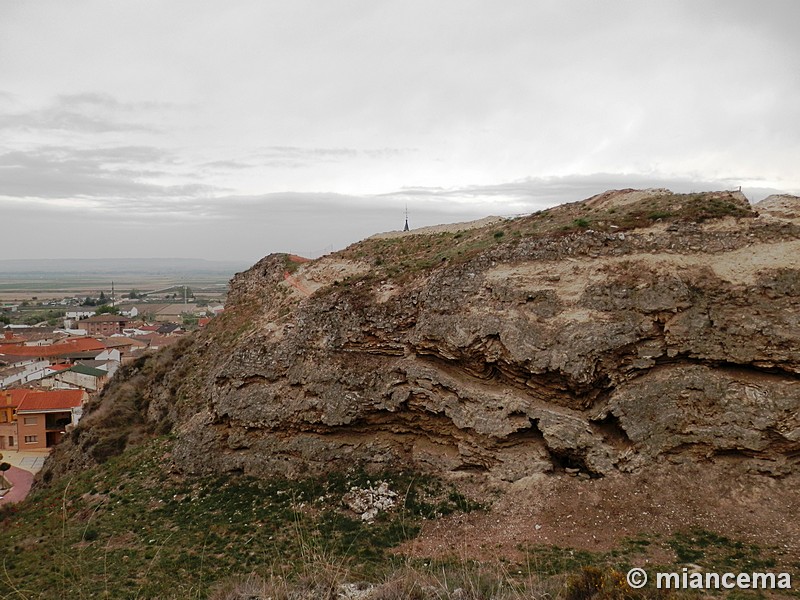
x=61 y=342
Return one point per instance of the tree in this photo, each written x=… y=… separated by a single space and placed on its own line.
x=106 y=309
x=103 y=298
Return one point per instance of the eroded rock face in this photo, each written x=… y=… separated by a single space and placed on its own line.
x=597 y=350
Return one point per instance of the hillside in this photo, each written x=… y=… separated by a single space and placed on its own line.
x=618 y=369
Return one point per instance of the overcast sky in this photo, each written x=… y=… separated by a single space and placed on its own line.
x=229 y=130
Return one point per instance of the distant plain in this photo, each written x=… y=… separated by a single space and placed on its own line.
x=57 y=279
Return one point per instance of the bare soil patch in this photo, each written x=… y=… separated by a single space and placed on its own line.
x=600 y=514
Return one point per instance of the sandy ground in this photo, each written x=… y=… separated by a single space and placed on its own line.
x=311 y=276
x=600 y=514
x=739 y=267
x=614 y=198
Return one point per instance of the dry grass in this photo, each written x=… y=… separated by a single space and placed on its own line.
x=459 y=581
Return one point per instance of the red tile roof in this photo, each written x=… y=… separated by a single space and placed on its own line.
x=14 y=397
x=8 y=398
x=81 y=344
x=36 y=401
x=57 y=349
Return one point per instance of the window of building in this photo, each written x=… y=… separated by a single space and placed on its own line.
x=31 y=439
x=30 y=420
x=11 y=441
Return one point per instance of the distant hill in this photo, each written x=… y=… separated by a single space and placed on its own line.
x=115 y=266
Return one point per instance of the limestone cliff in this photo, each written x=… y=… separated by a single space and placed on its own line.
x=601 y=336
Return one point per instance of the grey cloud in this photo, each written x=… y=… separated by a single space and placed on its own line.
x=110 y=174
x=295 y=157
x=66 y=120
x=115 y=154
x=85 y=113
x=299 y=156
x=384 y=153
x=291 y=157
x=87 y=99
x=532 y=194
x=226 y=165
x=107 y=101
x=290 y=151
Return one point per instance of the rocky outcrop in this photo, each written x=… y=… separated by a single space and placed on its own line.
x=632 y=328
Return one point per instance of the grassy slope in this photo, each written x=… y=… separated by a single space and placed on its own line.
x=132 y=529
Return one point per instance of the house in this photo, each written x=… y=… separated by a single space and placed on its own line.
x=43 y=417
x=32 y=336
x=19 y=370
x=79 y=314
x=104 y=324
x=8 y=420
x=169 y=312
x=132 y=313
x=109 y=366
x=31 y=363
x=66 y=330
x=124 y=344
x=10 y=338
x=77 y=376
x=169 y=329
x=157 y=341
x=134 y=331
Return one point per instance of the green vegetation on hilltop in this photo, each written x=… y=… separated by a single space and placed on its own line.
x=408 y=254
